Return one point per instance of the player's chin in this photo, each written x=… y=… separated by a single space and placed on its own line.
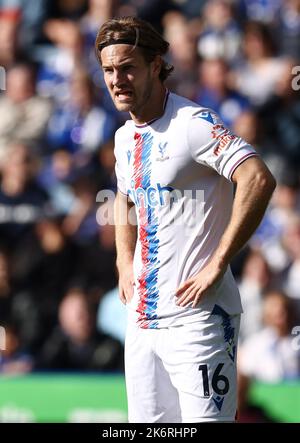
x=123 y=107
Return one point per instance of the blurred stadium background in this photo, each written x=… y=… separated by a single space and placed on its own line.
x=64 y=327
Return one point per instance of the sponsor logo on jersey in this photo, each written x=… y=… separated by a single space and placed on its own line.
x=128 y=155
x=152 y=196
x=224 y=136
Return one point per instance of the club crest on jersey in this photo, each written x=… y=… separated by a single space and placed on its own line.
x=162 y=151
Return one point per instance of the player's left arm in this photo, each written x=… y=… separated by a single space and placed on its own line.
x=254 y=187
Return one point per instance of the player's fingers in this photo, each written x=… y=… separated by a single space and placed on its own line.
x=183 y=287
x=197 y=297
x=199 y=294
x=129 y=290
x=122 y=295
x=186 y=297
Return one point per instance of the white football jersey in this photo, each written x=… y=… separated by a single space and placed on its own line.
x=177 y=170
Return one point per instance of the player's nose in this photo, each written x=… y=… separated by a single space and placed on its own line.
x=117 y=77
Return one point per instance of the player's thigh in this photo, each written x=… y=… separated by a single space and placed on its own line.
x=150 y=394
x=202 y=365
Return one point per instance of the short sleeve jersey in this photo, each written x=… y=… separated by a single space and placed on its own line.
x=177 y=171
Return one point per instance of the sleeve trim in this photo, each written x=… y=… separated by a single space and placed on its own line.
x=239 y=162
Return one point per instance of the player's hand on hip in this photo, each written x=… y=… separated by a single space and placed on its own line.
x=193 y=289
x=126 y=283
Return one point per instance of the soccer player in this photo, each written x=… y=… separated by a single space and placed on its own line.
x=176 y=165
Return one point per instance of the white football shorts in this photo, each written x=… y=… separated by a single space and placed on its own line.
x=183 y=374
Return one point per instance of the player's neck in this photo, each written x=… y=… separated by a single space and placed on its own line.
x=153 y=109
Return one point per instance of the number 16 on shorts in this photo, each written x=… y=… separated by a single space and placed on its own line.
x=220 y=383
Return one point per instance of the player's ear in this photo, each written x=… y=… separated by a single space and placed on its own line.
x=156 y=65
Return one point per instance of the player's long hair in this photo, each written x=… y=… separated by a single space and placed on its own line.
x=137 y=32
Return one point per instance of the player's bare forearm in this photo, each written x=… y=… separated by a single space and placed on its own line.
x=126 y=236
x=255 y=185
x=125 y=230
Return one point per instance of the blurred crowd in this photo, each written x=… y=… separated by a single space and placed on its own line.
x=58 y=296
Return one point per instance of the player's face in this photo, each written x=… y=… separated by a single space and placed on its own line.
x=128 y=77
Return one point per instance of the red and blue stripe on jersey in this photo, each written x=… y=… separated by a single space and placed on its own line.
x=148 y=227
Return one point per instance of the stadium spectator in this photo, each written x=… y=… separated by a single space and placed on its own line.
x=182 y=54
x=112 y=316
x=55 y=176
x=220 y=36
x=258 y=73
x=265 y=11
x=22 y=200
x=80 y=125
x=288 y=28
x=5 y=286
x=80 y=223
x=291 y=244
x=9 y=21
x=284 y=208
x=75 y=344
x=256 y=277
x=13 y=359
x=97 y=259
x=214 y=92
x=246 y=125
x=280 y=118
x=59 y=63
x=269 y=355
x=23 y=114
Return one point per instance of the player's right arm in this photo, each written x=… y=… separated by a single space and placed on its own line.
x=126 y=236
